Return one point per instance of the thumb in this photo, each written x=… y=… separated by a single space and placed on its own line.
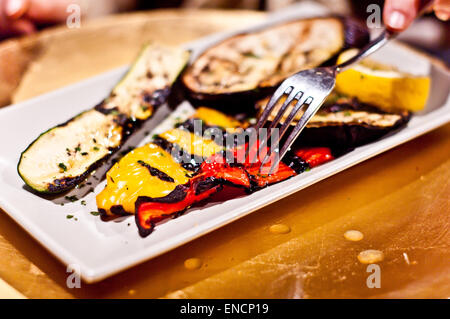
x=442 y=9
x=398 y=15
x=16 y=28
x=14 y=9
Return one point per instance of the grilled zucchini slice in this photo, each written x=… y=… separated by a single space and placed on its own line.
x=62 y=157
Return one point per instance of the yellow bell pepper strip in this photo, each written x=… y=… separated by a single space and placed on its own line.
x=152 y=170
x=145 y=171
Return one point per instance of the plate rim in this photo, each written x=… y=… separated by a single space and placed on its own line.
x=436 y=118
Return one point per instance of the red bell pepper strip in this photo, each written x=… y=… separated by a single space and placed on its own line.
x=315 y=156
x=214 y=173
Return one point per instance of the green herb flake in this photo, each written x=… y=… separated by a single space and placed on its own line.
x=85 y=153
x=62 y=167
x=95 y=213
x=71 y=198
x=347 y=113
x=83 y=202
x=69 y=216
x=251 y=55
x=77 y=149
x=96 y=149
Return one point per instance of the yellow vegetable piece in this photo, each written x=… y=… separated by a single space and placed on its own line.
x=191 y=143
x=129 y=178
x=383 y=86
x=212 y=117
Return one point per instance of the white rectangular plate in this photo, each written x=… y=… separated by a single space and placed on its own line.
x=101 y=249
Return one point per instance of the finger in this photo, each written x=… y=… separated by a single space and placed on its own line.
x=14 y=9
x=442 y=9
x=16 y=28
x=22 y=27
x=4 y=21
x=49 y=11
x=398 y=15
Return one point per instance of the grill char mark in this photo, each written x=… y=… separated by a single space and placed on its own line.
x=156 y=172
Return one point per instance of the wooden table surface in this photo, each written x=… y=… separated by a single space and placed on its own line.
x=398 y=200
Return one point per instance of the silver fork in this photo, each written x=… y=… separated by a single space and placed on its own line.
x=309 y=88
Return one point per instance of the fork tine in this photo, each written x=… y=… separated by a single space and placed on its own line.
x=282 y=89
x=292 y=115
x=284 y=128
x=292 y=95
x=284 y=107
x=310 y=112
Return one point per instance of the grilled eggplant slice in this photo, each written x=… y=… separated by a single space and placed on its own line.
x=248 y=66
x=343 y=123
x=63 y=156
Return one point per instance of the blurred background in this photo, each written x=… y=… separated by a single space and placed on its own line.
x=29 y=16
x=49 y=44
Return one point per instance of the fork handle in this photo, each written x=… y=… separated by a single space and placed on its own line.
x=379 y=42
x=367 y=50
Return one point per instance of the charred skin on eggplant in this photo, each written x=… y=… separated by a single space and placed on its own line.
x=344 y=123
x=65 y=155
x=238 y=71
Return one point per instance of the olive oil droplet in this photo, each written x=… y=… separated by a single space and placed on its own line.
x=280 y=229
x=353 y=235
x=192 y=263
x=370 y=256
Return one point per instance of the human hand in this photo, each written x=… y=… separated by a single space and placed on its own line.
x=19 y=17
x=399 y=14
